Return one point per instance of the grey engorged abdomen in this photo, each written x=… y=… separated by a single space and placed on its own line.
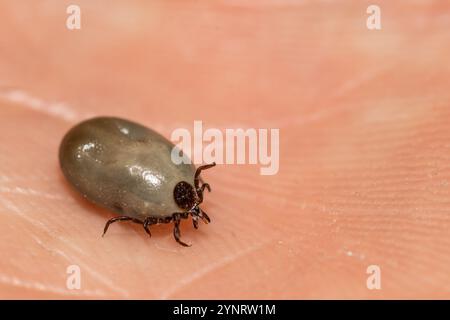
x=127 y=168
x=123 y=166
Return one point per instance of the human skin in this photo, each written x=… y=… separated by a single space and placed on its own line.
x=364 y=147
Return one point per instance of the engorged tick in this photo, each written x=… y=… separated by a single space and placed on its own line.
x=127 y=168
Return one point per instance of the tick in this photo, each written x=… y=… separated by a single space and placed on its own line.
x=127 y=168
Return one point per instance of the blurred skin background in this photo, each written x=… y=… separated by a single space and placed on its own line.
x=364 y=119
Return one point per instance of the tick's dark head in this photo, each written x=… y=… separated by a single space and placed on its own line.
x=184 y=195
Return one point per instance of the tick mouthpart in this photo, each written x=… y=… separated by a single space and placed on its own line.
x=196 y=211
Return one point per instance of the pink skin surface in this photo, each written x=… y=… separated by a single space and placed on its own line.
x=364 y=119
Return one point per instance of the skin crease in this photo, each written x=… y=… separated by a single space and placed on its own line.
x=364 y=172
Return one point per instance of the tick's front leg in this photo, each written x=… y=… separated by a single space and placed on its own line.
x=198 y=179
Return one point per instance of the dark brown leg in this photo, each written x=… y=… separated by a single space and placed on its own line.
x=204 y=216
x=148 y=222
x=205 y=185
x=197 y=180
x=115 y=219
x=195 y=221
x=176 y=229
x=199 y=170
x=199 y=214
x=201 y=189
x=200 y=179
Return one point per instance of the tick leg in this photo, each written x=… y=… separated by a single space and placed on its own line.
x=176 y=230
x=148 y=222
x=195 y=221
x=115 y=219
x=197 y=178
x=201 y=189
x=204 y=216
x=205 y=185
